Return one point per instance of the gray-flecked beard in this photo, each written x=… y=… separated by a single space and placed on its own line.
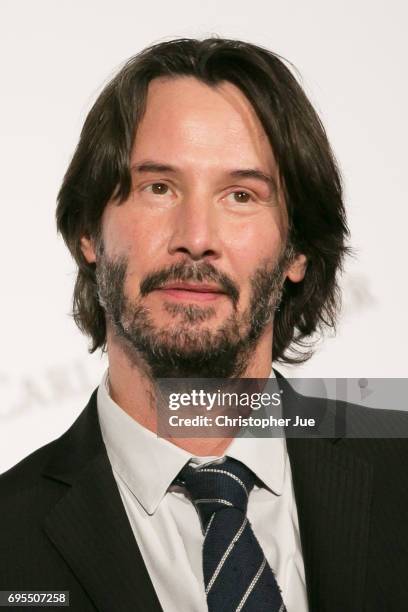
x=189 y=349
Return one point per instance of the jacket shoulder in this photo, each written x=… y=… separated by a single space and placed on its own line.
x=67 y=449
x=27 y=471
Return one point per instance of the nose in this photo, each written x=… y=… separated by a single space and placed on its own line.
x=196 y=229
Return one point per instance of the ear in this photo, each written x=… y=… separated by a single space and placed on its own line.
x=88 y=249
x=297 y=269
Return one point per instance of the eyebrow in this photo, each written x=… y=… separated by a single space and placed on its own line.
x=251 y=173
x=256 y=174
x=153 y=167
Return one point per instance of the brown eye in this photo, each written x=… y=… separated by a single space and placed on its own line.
x=241 y=196
x=159 y=188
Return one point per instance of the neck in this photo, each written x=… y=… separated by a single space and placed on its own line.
x=132 y=388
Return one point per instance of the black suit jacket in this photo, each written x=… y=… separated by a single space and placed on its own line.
x=63 y=525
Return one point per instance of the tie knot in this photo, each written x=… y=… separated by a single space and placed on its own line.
x=218 y=486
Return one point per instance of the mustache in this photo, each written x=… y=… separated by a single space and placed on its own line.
x=185 y=272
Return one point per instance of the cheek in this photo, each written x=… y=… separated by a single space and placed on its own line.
x=137 y=239
x=252 y=245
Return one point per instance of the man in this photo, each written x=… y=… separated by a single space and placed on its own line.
x=204 y=209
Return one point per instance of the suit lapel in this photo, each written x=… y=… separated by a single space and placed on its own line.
x=89 y=525
x=333 y=491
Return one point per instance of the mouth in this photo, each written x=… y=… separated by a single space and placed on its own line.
x=192 y=292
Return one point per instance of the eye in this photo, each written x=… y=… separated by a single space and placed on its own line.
x=158 y=188
x=240 y=197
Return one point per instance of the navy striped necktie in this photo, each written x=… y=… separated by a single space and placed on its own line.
x=236 y=573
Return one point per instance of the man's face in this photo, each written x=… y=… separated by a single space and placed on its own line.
x=191 y=266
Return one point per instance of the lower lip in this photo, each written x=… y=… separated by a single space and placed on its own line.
x=183 y=295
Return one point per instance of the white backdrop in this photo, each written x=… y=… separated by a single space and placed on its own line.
x=56 y=56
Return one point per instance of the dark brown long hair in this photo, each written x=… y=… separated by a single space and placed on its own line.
x=311 y=181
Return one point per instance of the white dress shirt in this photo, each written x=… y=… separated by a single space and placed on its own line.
x=166 y=525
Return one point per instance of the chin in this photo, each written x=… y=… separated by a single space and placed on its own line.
x=187 y=316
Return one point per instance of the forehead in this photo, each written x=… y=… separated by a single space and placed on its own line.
x=188 y=118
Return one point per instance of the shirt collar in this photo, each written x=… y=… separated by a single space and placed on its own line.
x=265 y=456
x=148 y=464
